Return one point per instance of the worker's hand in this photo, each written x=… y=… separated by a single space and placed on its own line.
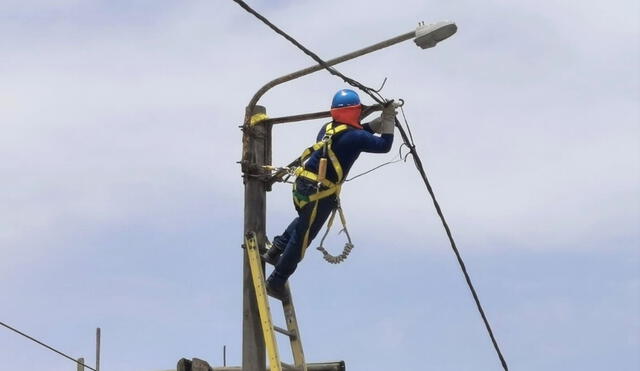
x=376 y=125
x=388 y=118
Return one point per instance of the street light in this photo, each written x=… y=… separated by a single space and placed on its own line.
x=425 y=36
x=428 y=36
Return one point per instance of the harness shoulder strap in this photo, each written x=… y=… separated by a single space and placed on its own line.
x=318 y=145
x=332 y=156
x=329 y=132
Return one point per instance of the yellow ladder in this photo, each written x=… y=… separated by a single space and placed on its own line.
x=268 y=328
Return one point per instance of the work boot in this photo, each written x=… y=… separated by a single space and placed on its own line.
x=273 y=254
x=275 y=288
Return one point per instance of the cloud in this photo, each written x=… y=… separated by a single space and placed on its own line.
x=119 y=141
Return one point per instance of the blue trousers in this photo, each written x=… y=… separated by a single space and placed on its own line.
x=292 y=239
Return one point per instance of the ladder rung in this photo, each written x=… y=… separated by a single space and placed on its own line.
x=288 y=367
x=284 y=332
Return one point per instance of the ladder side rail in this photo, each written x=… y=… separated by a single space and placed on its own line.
x=292 y=326
x=255 y=263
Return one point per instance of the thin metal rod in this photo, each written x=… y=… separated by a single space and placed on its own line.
x=367 y=110
x=98 y=349
x=297 y=118
x=331 y=62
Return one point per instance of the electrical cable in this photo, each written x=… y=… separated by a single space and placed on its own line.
x=374 y=169
x=45 y=345
x=397 y=158
x=408 y=140
x=370 y=91
x=463 y=267
x=406 y=123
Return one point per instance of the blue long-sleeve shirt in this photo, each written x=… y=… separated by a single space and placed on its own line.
x=347 y=146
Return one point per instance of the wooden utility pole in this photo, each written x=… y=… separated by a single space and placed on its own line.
x=256 y=152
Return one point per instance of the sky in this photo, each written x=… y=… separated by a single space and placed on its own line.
x=122 y=200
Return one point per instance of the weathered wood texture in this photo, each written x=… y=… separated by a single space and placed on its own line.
x=256 y=152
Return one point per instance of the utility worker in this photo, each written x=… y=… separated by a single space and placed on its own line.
x=314 y=199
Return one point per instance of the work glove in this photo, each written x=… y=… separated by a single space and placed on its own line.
x=388 y=119
x=376 y=125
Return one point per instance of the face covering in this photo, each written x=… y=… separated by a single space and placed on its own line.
x=348 y=115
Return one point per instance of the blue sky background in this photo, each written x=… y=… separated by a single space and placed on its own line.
x=122 y=202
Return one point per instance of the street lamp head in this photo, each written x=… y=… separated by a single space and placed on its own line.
x=427 y=36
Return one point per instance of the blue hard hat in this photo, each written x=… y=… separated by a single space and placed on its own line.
x=345 y=98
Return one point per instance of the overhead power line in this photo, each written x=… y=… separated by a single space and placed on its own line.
x=370 y=91
x=375 y=95
x=45 y=345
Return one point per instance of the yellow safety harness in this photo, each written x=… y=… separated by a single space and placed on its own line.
x=325 y=187
x=330 y=187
